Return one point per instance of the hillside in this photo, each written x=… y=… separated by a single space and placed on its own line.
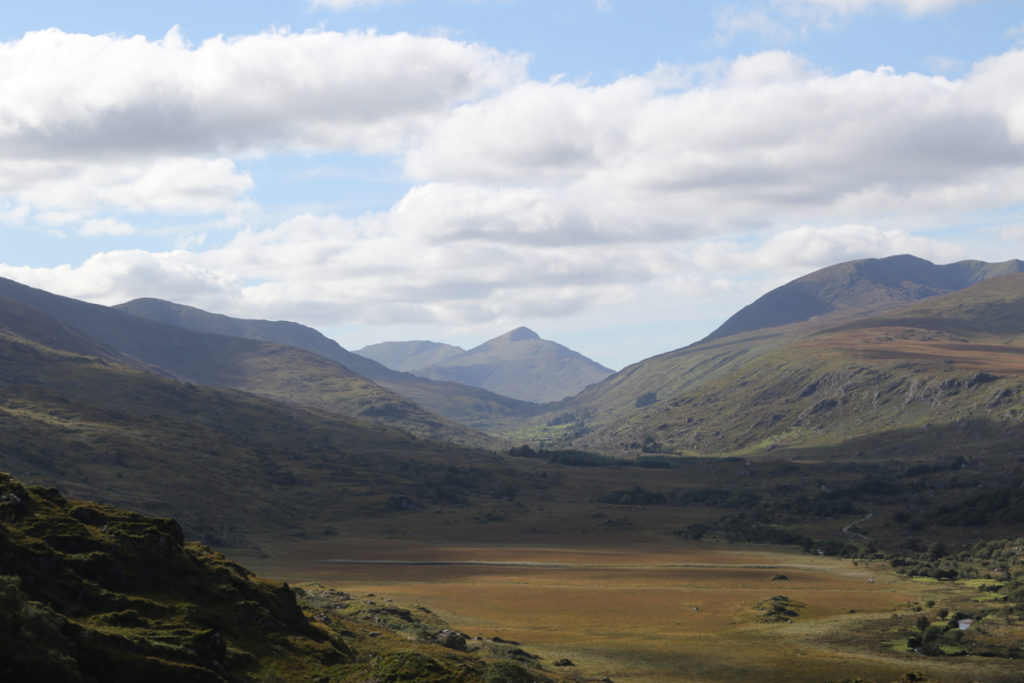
x=225 y=463
x=410 y=356
x=277 y=371
x=859 y=288
x=949 y=360
x=94 y=593
x=521 y=365
x=472 y=406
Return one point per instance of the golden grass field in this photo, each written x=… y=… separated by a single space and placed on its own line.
x=652 y=610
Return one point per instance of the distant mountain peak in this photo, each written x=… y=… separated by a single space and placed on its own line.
x=521 y=334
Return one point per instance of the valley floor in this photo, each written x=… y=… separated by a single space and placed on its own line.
x=648 y=610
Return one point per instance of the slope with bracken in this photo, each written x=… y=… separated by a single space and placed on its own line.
x=277 y=371
x=471 y=406
x=957 y=359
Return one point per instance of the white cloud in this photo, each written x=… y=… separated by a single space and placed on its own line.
x=809 y=247
x=97 y=121
x=766 y=141
x=531 y=198
x=186 y=185
x=65 y=93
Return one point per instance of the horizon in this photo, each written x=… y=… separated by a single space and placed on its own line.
x=621 y=176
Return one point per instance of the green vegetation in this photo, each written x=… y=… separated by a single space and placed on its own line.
x=884 y=449
x=90 y=592
x=948 y=363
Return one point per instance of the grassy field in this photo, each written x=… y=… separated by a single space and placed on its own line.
x=656 y=610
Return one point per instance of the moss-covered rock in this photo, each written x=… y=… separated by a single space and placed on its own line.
x=94 y=592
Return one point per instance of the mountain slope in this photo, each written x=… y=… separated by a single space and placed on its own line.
x=95 y=593
x=949 y=360
x=410 y=356
x=286 y=373
x=521 y=365
x=859 y=288
x=471 y=406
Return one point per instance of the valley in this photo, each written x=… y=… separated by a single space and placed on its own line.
x=810 y=501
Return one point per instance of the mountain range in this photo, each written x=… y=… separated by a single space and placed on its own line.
x=665 y=403
x=898 y=393
x=472 y=406
x=518 y=364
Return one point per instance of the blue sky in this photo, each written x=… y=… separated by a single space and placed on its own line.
x=619 y=176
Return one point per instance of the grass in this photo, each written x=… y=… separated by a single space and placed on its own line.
x=627 y=613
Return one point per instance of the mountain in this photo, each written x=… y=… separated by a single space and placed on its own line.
x=282 y=372
x=410 y=356
x=953 y=360
x=859 y=288
x=471 y=406
x=521 y=365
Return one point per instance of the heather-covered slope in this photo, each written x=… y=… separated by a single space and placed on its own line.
x=859 y=288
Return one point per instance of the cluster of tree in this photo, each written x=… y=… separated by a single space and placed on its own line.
x=1001 y=561
x=570 y=457
x=719 y=498
x=929 y=637
x=1004 y=506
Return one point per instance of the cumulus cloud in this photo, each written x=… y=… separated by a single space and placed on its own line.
x=638 y=159
x=328 y=270
x=88 y=122
x=185 y=185
x=529 y=198
x=62 y=93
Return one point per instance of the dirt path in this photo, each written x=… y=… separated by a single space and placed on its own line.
x=846 y=529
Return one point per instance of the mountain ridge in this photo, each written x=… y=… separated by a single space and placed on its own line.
x=277 y=371
x=858 y=288
x=471 y=406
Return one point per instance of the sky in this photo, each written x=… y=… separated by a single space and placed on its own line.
x=618 y=176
